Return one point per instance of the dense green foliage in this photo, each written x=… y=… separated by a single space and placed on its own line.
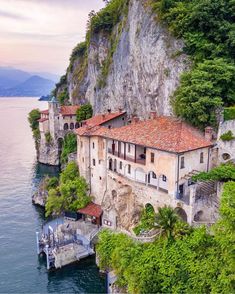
x=195 y=262
x=108 y=17
x=78 y=51
x=223 y=173
x=84 y=112
x=33 y=118
x=70 y=194
x=229 y=113
x=207 y=28
x=69 y=146
x=228 y=136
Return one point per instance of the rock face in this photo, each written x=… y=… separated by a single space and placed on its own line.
x=48 y=154
x=144 y=71
x=40 y=196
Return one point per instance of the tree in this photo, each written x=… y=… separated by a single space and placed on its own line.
x=203 y=90
x=33 y=118
x=166 y=220
x=84 y=112
x=70 y=173
x=70 y=194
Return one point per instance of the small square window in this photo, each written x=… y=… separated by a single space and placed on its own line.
x=120 y=165
x=93 y=162
x=99 y=161
x=164 y=178
x=81 y=144
x=83 y=159
x=129 y=169
x=93 y=145
x=100 y=178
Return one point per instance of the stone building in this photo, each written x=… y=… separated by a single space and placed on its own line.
x=145 y=162
x=54 y=124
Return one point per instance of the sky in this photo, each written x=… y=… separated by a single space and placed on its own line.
x=39 y=35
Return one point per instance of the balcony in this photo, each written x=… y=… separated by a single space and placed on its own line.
x=140 y=159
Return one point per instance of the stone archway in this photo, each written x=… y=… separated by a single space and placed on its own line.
x=181 y=213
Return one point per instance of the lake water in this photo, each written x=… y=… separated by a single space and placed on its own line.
x=21 y=270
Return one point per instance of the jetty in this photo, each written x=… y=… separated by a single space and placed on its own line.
x=69 y=239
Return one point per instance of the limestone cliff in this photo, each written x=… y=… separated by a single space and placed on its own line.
x=142 y=70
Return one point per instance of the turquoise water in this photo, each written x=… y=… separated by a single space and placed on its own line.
x=21 y=271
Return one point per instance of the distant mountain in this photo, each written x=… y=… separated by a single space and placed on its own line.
x=16 y=82
x=34 y=86
x=10 y=77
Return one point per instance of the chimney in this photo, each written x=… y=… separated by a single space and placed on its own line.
x=120 y=110
x=153 y=114
x=209 y=133
x=135 y=119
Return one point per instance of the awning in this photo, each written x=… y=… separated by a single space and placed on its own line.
x=91 y=209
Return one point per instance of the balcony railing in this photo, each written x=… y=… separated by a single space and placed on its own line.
x=128 y=158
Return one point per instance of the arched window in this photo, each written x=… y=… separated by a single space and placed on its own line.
x=66 y=126
x=71 y=126
x=77 y=125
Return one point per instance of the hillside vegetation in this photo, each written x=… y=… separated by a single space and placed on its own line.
x=182 y=260
x=208 y=30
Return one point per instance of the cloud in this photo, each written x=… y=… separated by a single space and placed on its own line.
x=45 y=41
x=12 y=15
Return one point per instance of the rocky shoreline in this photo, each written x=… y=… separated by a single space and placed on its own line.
x=40 y=196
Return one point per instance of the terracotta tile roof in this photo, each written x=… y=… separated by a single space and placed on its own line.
x=42 y=119
x=91 y=209
x=69 y=110
x=163 y=133
x=44 y=111
x=93 y=124
x=102 y=118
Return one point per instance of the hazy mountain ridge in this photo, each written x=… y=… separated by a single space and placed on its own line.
x=15 y=82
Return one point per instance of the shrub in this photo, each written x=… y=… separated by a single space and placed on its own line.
x=228 y=136
x=109 y=16
x=84 y=112
x=63 y=97
x=48 y=138
x=52 y=183
x=229 y=113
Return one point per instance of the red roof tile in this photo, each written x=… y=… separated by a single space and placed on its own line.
x=92 y=124
x=42 y=119
x=91 y=209
x=163 y=133
x=44 y=111
x=102 y=118
x=69 y=110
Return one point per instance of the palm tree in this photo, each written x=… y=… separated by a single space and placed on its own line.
x=166 y=220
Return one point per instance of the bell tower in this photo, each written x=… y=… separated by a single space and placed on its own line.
x=54 y=110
